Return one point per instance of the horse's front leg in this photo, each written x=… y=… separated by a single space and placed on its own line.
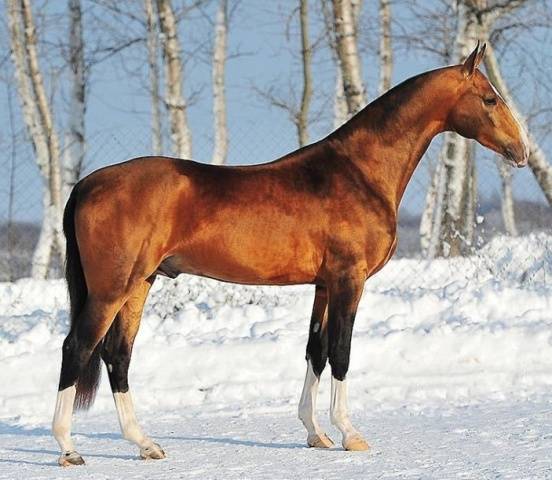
x=317 y=355
x=344 y=295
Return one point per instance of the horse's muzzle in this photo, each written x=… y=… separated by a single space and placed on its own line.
x=516 y=156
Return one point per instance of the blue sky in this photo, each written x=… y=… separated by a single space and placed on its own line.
x=117 y=120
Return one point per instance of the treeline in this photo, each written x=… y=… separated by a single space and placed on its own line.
x=343 y=30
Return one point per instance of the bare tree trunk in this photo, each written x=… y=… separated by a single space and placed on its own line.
x=507 y=200
x=431 y=203
x=153 y=55
x=74 y=160
x=347 y=53
x=219 y=95
x=457 y=208
x=386 y=51
x=39 y=123
x=306 y=53
x=434 y=234
x=42 y=255
x=11 y=237
x=174 y=98
x=46 y=120
x=468 y=225
x=341 y=113
x=537 y=158
x=451 y=231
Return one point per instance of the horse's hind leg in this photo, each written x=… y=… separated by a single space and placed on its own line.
x=79 y=356
x=116 y=353
x=317 y=355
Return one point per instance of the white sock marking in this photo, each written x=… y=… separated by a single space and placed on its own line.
x=339 y=411
x=128 y=422
x=307 y=404
x=61 y=426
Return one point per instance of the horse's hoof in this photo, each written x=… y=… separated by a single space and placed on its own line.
x=319 y=441
x=355 y=444
x=153 y=452
x=69 y=459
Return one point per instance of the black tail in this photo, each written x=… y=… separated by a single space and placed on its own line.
x=89 y=376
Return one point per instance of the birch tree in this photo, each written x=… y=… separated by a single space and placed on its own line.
x=386 y=51
x=174 y=97
x=75 y=147
x=447 y=228
x=220 y=51
x=40 y=126
x=152 y=44
x=339 y=103
x=340 y=109
x=433 y=230
x=306 y=56
x=345 y=17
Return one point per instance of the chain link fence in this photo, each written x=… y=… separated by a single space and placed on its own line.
x=21 y=189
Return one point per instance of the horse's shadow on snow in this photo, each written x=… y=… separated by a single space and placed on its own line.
x=235 y=441
x=10 y=429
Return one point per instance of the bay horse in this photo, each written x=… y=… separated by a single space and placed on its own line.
x=324 y=215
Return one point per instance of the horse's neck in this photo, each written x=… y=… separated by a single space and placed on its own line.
x=389 y=137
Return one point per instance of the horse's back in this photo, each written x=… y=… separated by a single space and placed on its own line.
x=245 y=224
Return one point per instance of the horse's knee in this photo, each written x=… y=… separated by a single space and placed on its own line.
x=317 y=354
x=340 y=366
x=339 y=352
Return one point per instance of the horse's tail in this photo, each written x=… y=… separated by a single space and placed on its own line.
x=89 y=375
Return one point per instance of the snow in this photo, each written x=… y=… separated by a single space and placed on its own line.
x=491 y=440
x=451 y=374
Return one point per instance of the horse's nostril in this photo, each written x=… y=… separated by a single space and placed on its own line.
x=514 y=157
x=509 y=154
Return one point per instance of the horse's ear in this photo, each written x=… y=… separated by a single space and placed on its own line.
x=480 y=55
x=473 y=61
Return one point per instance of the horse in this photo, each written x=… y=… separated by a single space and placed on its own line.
x=325 y=215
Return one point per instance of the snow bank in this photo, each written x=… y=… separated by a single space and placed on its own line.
x=455 y=330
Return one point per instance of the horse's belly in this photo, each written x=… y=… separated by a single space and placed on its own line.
x=258 y=266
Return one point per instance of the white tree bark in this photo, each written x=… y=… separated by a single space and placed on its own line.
x=306 y=55
x=468 y=217
x=434 y=234
x=39 y=123
x=152 y=44
x=452 y=210
x=174 y=97
x=507 y=200
x=537 y=158
x=42 y=254
x=430 y=205
x=386 y=51
x=220 y=151
x=341 y=113
x=346 y=13
x=75 y=145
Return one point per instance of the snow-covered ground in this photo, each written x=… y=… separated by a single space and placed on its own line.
x=451 y=376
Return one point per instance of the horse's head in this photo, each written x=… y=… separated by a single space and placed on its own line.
x=482 y=114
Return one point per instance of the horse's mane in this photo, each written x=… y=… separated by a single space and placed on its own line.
x=378 y=113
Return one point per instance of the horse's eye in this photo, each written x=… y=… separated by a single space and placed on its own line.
x=489 y=101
